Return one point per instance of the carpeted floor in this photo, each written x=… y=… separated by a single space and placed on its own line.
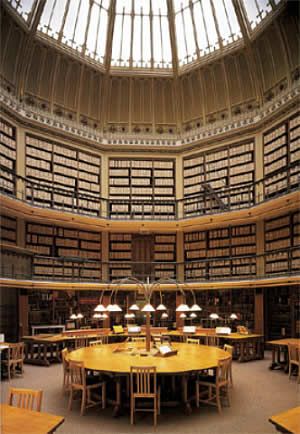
x=257 y=394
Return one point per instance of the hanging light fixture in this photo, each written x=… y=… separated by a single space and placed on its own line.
x=100 y=308
x=233 y=316
x=79 y=316
x=193 y=315
x=214 y=316
x=164 y=315
x=182 y=308
x=161 y=307
x=114 y=308
x=134 y=307
x=148 y=308
x=182 y=316
x=104 y=316
x=127 y=316
x=196 y=308
x=73 y=316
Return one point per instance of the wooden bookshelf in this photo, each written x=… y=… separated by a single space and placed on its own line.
x=221 y=247
x=231 y=166
x=76 y=247
x=120 y=256
x=8 y=229
x=282 y=233
x=69 y=179
x=282 y=150
x=142 y=188
x=279 y=312
x=165 y=252
x=8 y=155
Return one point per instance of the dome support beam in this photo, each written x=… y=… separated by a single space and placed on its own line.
x=107 y=62
x=176 y=87
x=252 y=63
x=27 y=46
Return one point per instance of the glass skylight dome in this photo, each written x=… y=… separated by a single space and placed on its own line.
x=145 y=34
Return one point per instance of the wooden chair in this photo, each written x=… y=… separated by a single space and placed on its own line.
x=80 y=382
x=80 y=343
x=192 y=341
x=66 y=370
x=25 y=398
x=229 y=349
x=14 y=359
x=104 y=339
x=214 y=385
x=212 y=340
x=143 y=385
x=294 y=359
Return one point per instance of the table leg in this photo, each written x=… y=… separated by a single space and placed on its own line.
x=117 y=405
x=185 y=401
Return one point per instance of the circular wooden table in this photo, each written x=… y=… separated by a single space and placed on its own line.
x=116 y=360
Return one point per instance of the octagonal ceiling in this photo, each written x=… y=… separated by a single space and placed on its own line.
x=147 y=35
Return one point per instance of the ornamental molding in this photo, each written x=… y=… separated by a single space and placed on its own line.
x=29 y=113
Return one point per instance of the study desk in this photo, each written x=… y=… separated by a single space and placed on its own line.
x=16 y=420
x=116 y=360
x=280 y=357
x=287 y=421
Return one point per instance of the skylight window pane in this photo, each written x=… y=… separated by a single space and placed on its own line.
x=159 y=6
x=126 y=40
x=123 y=4
x=210 y=25
x=91 y=43
x=137 y=49
x=142 y=4
x=22 y=7
x=157 y=52
x=102 y=34
x=82 y=22
x=69 y=27
x=116 y=48
x=146 y=41
x=256 y=10
x=180 y=39
x=200 y=28
x=189 y=34
x=167 y=52
x=45 y=18
x=234 y=24
x=179 y=4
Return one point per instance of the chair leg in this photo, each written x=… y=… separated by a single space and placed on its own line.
x=103 y=396
x=155 y=411
x=197 y=396
x=290 y=370
x=83 y=402
x=218 y=400
x=158 y=404
x=132 y=402
x=70 y=400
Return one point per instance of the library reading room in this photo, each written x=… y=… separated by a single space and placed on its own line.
x=150 y=219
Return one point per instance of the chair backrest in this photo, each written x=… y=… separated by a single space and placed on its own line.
x=65 y=362
x=77 y=373
x=211 y=341
x=25 y=398
x=294 y=352
x=228 y=348
x=13 y=352
x=143 y=380
x=80 y=342
x=223 y=370
x=192 y=341
x=95 y=343
x=138 y=339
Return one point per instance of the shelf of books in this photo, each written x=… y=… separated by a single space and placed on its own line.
x=228 y=253
x=165 y=254
x=279 y=312
x=66 y=178
x=230 y=167
x=64 y=253
x=282 y=150
x=282 y=233
x=8 y=154
x=8 y=227
x=142 y=188
x=120 y=256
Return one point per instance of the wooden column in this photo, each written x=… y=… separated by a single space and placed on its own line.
x=106 y=301
x=259 y=311
x=23 y=314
